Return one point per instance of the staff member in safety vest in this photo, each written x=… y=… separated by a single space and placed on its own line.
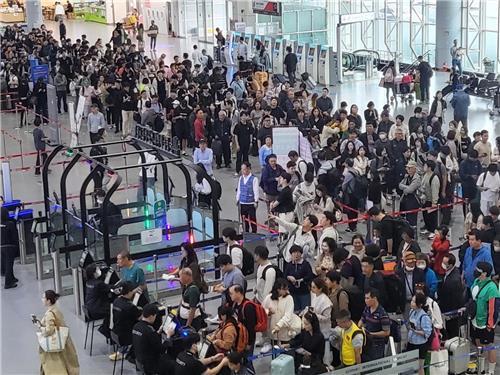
x=189 y=309
x=351 y=339
x=247 y=196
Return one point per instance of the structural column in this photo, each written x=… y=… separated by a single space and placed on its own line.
x=34 y=16
x=448 y=24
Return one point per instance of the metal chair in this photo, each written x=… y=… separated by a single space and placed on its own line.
x=89 y=320
x=116 y=341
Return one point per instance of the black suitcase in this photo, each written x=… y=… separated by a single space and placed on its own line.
x=280 y=78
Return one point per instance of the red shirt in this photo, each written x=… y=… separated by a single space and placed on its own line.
x=199 y=129
x=439 y=250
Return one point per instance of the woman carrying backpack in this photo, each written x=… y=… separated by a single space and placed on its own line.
x=419 y=329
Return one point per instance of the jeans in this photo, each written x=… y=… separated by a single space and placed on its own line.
x=241 y=156
x=61 y=96
x=375 y=351
x=152 y=43
x=424 y=90
x=301 y=301
x=291 y=76
x=457 y=63
x=127 y=118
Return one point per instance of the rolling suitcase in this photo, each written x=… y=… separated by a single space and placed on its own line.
x=458 y=354
x=283 y=365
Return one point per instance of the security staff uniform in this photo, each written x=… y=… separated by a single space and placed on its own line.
x=149 y=350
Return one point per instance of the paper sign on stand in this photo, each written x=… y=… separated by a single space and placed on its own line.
x=285 y=139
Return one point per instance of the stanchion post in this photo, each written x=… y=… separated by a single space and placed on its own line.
x=76 y=291
x=21 y=152
x=155 y=274
x=57 y=271
x=369 y=229
x=466 y=205
x=393 y=199
x=126 y=171
x=38 y=256
x=22 y=241
x=438 y=215
x=4 y=145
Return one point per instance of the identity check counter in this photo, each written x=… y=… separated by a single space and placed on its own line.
x=157 y=223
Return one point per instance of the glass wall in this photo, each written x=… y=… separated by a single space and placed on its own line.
x=407 y=29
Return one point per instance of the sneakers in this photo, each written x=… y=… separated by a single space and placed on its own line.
x=266 y=348
x=115 y=356
x=213 y=320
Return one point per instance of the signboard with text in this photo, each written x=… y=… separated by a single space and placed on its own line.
x=271 y=8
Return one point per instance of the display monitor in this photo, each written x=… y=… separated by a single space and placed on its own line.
x=312 y=50
x=323 y=53
x=299 y=49
x=266 y=43
x=277 y=45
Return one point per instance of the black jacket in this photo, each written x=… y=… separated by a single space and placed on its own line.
x=96 y=298
x=147 y=345
x=451 y=292
x=418 y=278
x=125 y=315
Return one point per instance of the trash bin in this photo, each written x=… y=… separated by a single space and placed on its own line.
x=489 y=65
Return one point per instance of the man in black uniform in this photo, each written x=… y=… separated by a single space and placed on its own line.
x=97 y=297
x=125 y=315
x=113 y=214
x=188 y=363
x=290 y=64
x=149 y=350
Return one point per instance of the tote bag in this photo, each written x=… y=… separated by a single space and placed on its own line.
x=54 y=343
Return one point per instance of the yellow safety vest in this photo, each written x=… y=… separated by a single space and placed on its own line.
x=347 y=350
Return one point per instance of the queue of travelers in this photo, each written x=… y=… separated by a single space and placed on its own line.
x=330 y=302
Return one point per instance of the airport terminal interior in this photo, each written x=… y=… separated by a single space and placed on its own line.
x=128 y=131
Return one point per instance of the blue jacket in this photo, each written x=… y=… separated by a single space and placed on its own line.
x=460 y=103
x=431 y=281
x=469 y=265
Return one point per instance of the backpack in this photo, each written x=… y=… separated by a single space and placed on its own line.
x=210 y=62
x=309 y=167
x=360 y=188
x=279 y=272
x=356 y=301
x=433 y=143
x=431 y=336
x=471 y=306
x=260 y=314
x=394 y=289
x=158 y=123
x=241 y=341
x=248 y=261
x=400 y=225
x=217 y=189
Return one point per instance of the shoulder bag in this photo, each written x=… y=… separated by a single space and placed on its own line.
x=54 y=343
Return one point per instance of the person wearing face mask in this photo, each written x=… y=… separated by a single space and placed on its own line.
x=431 y=279
x=451 y=294
x=495 y=254
x=484 y=292
x=475 y=253
x=488 y=184
x=112 y=214
x=409 y=276
x=97 y=297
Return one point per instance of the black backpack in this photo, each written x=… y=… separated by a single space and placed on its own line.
x=356 y=301
x=400 y=225
x=279 y=272
x=309 y=167
x=158 y=123
x=471 y=306
x=395 y=291
x=210 y=62
x=358 y=187
x=217 y=189
x=248 y=261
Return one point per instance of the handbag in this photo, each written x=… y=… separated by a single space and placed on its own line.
x=436 y=342
x=381 y=82
x=439 y=362
x=54 y=343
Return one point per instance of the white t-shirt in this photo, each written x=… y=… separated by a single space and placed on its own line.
x=236 y=255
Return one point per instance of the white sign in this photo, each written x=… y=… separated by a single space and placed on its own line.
x=285 y=140
x=151 y=236
x=240 y=27
x=357 y=17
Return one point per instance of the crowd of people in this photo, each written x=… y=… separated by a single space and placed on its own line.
x=331 y=301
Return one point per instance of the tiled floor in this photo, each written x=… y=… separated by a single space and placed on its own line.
x=19 y=346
